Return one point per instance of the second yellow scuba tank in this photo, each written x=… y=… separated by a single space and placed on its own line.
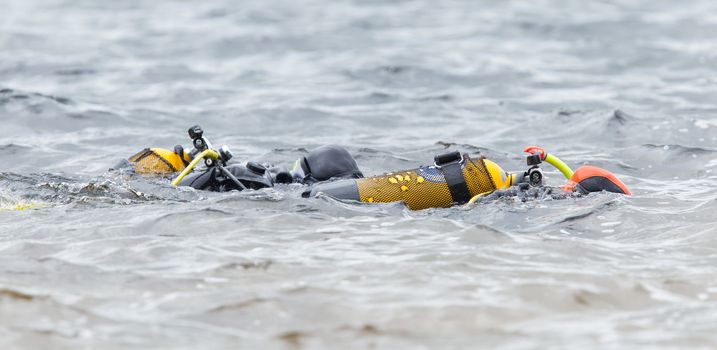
x=454 y=178
x=159 y=161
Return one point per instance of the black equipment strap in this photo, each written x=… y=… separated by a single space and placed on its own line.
x=231 y=176
x=453 y=174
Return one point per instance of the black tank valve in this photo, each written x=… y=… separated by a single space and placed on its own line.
x=535 y=176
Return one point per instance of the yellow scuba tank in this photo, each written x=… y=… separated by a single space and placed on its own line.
x=159 y=161
x=454 y=178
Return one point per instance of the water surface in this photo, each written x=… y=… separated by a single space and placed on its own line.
x=109 y=262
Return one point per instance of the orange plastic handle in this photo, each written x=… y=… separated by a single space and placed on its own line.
x=535 y=150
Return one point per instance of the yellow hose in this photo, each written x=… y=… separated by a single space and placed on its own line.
x=560 y=165
x=550 y=159
x=206 y=153
x=475 y=198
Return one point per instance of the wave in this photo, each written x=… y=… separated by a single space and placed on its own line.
x=680 y=149
x=8 y=95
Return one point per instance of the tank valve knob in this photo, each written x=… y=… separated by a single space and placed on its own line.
x=225 y=154
x=534 y=159
x=256 y=168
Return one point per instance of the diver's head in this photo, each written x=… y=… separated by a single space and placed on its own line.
x=588 y=179
x=324 y=163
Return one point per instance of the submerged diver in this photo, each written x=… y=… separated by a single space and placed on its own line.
x=454 y=178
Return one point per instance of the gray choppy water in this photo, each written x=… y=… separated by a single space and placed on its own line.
x=109 y=262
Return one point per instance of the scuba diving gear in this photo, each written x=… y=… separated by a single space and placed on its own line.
x=321 y=164
x=424 y=187
x=453 y=178
x=215 y=162
x=222 y=179
x=196 y=133
x=225 y=154
x=586 y=179
x=533 y=176
x=450 y=165
x=447 y=181
x=252 y=176
x=550 y=159
x=159 y=161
